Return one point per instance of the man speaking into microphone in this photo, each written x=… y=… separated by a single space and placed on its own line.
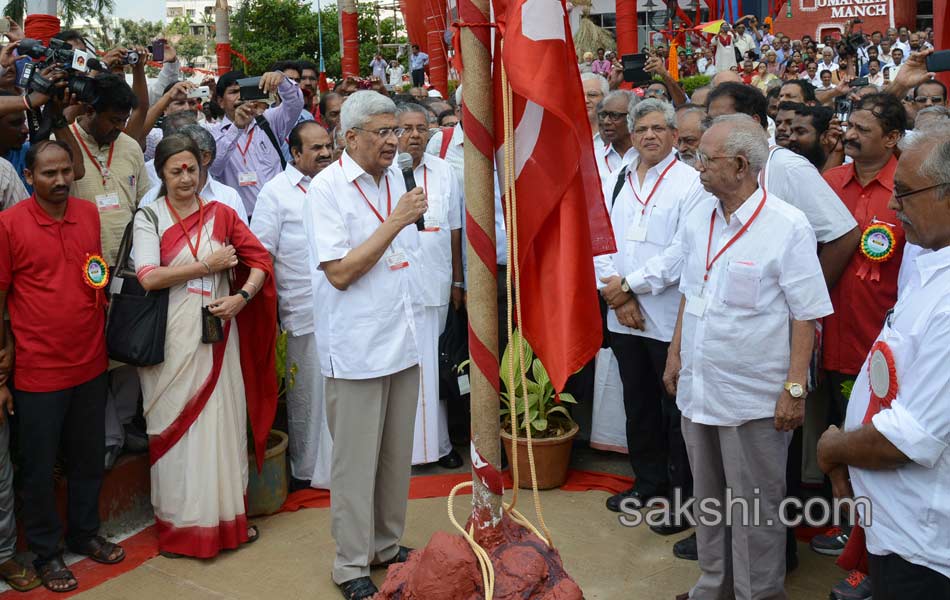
x=365 y=267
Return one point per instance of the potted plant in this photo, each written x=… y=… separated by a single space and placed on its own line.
x=267 y=490
x=552 y=427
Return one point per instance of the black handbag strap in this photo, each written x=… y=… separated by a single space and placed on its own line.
x=265 y=127
x=125 y=247
x=617 y=187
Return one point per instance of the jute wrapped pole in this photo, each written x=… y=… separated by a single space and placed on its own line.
x=481 y=280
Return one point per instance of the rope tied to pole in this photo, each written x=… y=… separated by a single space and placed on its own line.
x=513 y=294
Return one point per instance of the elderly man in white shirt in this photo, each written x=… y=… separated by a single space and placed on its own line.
x=753 y=289
x=795 y=180
x=649 y=201
x=618 y=147
x=441 y=244
x=210 y=188
x=366 y=269
x=894 y=442
x=278 y=224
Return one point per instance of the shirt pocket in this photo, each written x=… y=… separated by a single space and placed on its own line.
x=661 y=225
x=742 y=284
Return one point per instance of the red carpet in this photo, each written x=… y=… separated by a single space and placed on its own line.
x=144 y=546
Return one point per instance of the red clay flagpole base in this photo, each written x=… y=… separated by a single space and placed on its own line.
x=446 y=569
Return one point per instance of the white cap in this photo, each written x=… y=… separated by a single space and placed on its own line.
x=435 y=94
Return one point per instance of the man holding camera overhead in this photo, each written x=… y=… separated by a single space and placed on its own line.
x=115 y=179
x=249 y=140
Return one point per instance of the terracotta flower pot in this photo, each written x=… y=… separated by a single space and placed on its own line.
x=267 y=490
x=552 y=457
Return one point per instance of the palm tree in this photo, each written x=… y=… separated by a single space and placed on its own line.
x=69 y=9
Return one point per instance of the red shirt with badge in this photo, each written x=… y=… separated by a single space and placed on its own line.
x=53 y=282
x=868 y=287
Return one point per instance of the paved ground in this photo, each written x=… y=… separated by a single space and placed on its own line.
x=294 y=556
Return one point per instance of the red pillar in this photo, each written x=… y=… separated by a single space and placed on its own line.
x=627 y=27
x=942 y=34
x=349 y=25
x=435 y=46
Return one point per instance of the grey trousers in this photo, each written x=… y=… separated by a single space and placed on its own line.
x=7 y=520
x=744 y=561
x=371 y=422
x=122 y=402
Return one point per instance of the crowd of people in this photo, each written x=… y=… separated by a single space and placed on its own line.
x=767 y=226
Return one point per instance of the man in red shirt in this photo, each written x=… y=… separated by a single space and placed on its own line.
x=51 y=279
x=868 y=287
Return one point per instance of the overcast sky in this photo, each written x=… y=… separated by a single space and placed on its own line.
x=155 y=10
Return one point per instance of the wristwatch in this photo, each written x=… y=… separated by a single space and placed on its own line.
x=245 y=295
x=624 y=286
x=795 y=390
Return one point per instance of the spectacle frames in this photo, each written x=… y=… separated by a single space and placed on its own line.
x=606 y=115
x=704 y=160
x=420 y=129
x=931 y=99
x=900 y=197
x=385 y=132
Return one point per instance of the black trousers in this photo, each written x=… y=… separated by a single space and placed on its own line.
x=418 y=78
x=893 y=578
x=655 y=445
x=72 y=420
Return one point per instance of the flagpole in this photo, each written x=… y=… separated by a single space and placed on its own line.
x=323 y=67
x=482 y=284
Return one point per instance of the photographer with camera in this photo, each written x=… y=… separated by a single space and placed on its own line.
x=115 y=179
x=178 y=96
x=248 y=147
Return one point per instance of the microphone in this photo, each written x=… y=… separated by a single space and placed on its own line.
x=404 y=161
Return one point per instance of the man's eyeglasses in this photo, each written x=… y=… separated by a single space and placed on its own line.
x=932 y=99
x=654 y=94
x=420 y=129
x=385 y=132
x=900 y=197
x=606 y=115
x=704 y=160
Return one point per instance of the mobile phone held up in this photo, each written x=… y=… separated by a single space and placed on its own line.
x=157 y=50
x=633 y=68
x=939 y=61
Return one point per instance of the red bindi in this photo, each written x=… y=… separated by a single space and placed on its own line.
x=184 y=166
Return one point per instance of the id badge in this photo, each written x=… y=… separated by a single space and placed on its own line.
x=200 y=286
x=108 y=202
x=638 y=232
x=247 y=178
x=432 y=226
x=397 y=260
x=696 y=305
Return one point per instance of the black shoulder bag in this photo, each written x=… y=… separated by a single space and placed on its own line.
x=136 y=320
x=265 y=127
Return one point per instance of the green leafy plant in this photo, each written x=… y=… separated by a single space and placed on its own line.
x=285 y=381
x=694 y=82
x=546 y=414
x=846 y=387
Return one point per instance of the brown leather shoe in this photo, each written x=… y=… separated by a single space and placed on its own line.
x=683 y=596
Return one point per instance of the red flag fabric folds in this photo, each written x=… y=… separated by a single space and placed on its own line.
x=561 y=216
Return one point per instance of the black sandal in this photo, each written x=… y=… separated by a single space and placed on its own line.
x=360 y=588
x=257 y=534
x=54 y=572
x=100 y=550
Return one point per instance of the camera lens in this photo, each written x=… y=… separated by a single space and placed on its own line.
x=132 y=57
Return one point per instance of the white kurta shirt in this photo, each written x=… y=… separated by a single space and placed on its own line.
x=278 y=224
x=609 y=160
x=735 y=357
x=641 y=236
x=443 y=194
x=792 y=178
x=213 y=190
x=455 y=156
x=911 y=504
x=368 y=330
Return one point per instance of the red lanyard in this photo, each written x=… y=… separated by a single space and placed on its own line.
x=655 y=186
x=712 y=222
x=246 y=146
x=607 y=156
x=389 y=198
x=302 y=188
x=201 y=217
x=105 y=174
x=425 y=180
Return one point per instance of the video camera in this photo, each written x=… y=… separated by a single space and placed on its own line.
x=75 y=63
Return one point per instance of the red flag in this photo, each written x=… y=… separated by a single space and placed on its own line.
x=562 y=219
x=322 y=84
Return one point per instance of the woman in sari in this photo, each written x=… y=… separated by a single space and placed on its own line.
x=194 y=401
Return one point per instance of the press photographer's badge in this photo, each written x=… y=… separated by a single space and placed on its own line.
x=80 y=61
x=248 y=178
